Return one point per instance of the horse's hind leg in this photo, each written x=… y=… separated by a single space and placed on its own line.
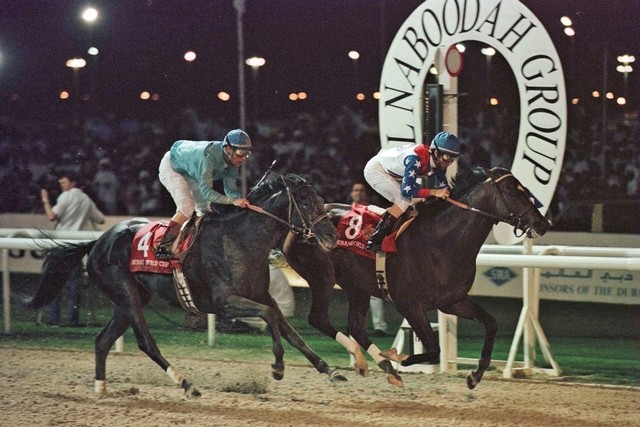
x=147 y=344
x=470 y=310
x=103 y=343
x=132 y=311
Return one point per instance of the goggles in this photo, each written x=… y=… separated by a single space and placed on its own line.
x=241 y=153
x=449 y=158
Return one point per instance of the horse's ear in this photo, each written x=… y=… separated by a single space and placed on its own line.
x=500 y=171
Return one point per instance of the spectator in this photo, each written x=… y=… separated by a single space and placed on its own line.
x=74 y=211
x=106 y=186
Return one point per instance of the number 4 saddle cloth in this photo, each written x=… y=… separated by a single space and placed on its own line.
x=143 y=250
x=356 y=227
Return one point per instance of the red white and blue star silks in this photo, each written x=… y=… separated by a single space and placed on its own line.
x=408 y=163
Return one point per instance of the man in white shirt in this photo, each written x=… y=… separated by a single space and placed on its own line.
x=74 y=211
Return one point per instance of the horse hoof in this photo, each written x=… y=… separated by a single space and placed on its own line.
x=337 y=377
x=192 y=393
x=472 y=382
x=101 y=388
x=277 y=373
x=392 y=354
x=361 y=366
x=395 y=380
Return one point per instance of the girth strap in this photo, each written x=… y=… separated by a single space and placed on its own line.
x=381 y=275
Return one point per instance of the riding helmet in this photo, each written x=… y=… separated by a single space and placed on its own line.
x=446 y=142
x=238 y=139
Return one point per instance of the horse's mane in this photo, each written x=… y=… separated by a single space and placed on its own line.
x=466 y=178
x=259 y=193
x=272 y=184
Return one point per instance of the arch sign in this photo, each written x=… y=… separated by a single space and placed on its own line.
x=514 y=31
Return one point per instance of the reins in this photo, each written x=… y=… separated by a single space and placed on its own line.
x=472 y=209
x=513 y=219
x=306 y=230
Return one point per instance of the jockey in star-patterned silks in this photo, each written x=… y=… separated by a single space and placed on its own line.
x=394 y=173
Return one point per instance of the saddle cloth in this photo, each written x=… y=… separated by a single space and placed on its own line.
x=357 y=225
x=143 y=250
x=143 y=259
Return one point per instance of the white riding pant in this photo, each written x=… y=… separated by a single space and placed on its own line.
x=386 y=185
x=183 y=189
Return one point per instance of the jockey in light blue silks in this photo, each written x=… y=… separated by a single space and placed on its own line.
x=394 y=174
x=188 y=171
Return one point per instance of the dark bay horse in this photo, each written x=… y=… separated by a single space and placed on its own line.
x=434 y=267
x=227 y=268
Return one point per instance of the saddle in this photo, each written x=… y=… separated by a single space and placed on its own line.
x=356 y=226
x=143 y=259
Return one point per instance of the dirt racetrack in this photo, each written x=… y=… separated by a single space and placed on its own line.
x=47 y=388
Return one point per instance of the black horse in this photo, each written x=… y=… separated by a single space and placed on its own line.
x=434 y=267
x=227 y=268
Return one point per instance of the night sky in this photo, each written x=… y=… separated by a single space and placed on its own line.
x=305 y=43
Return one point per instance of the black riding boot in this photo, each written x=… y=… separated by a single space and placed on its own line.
x=382 y=230
x=163 y=251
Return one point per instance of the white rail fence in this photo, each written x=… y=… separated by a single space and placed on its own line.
x=531 y=258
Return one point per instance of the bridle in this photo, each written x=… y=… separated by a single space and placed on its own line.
x=513 y=219
x=307 y=229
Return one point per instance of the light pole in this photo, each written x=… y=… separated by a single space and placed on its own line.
x=239 y=5
x=90 y=16
x=625 y=68
x=488 y=52
x=355 y=55
x=75 y=64
x=255 y=62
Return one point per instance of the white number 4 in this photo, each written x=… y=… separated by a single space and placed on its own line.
x=143 y=244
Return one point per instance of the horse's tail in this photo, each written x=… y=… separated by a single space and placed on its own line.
x=58 y=263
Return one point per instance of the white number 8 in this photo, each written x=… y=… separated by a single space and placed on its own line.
x=355 y=224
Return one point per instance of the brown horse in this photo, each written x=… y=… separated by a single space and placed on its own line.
x=434 y=267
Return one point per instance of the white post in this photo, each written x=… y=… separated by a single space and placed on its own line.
x=528 y=301
x=6 y=291
x=448 y=337
x=211 y=329
x=120 y=345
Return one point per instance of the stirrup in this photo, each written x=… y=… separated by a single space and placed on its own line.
x=372 y=246
x=163 y=253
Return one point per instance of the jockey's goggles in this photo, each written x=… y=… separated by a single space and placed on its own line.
x=449 y=158
x=241 y=153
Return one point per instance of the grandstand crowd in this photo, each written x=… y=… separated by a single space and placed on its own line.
x=116 y=159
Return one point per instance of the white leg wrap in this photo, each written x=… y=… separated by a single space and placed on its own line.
x=374 y=352
x=100 y=387
x=175 y=376
x=349 y=343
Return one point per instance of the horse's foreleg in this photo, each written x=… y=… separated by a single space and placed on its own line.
x=237 y=306
x=470 y=310
x=417 y=318
x=292 y=336
x=357 y=324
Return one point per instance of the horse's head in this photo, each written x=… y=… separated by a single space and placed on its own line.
x=513 y=204
x=304 y=208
